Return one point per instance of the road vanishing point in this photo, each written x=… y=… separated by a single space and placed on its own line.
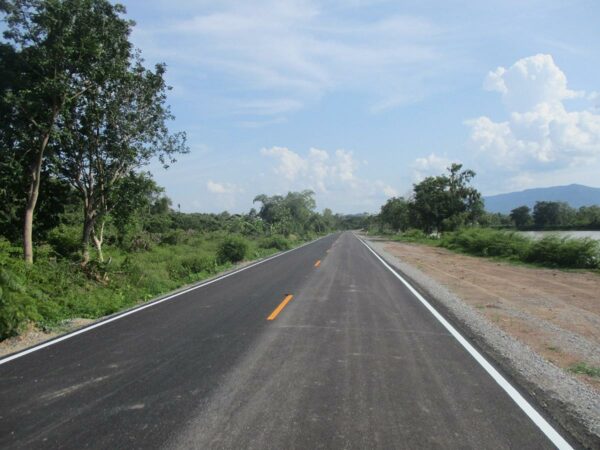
x=324 y=346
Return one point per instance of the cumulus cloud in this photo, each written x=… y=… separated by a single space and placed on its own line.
x=540 y=133
x=333 y=175
x=429 y=165
x=221 y=188
x=530 y=82
x=317 y=170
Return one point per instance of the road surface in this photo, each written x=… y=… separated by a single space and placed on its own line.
x=349 y=359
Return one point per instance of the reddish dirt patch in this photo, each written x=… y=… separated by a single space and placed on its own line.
x=556 y=313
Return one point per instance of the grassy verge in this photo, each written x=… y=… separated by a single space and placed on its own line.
x=56 y=289
x=550 y=251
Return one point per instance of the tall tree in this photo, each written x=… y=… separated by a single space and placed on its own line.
x=61 y=49
x=521 y=216
x=110 y=131
x=395 y=214
x=446 y=202
x=551 y=214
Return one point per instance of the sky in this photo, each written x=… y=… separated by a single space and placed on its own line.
x=359 y=99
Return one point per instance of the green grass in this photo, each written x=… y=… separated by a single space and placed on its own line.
x=583 y=369
x=550 y=251
x=56 y=289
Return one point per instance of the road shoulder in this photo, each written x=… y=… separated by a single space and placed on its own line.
x=572 y=403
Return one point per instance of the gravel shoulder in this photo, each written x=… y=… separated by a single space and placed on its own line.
x=535 y=323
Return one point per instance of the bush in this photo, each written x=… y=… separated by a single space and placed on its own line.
x=232 y=249
x=413 y=235
x=276 y=241
x=487 y=242
x=565 y=252
x=192 y=265
x=140 y=242
x=16 y=306
x=65 y=239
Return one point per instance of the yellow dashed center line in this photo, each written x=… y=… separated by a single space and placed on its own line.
x=277 y=310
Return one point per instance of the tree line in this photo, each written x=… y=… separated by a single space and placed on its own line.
x=449 y=201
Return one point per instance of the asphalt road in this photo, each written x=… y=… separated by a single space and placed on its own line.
x=353 y=360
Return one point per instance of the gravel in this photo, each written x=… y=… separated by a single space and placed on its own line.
x=568 y=401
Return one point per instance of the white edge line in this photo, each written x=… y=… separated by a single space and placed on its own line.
x=527 y=408
x=144 y=306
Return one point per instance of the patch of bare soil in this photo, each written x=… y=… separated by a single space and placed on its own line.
x=33 y=336
x=556 y=313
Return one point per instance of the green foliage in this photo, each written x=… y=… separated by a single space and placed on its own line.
x=275 y=241
x=552 y=250
x=446 y=202
x=289 y=214
x=565 y=252
x=174 y=237
x=17 y=307
x=395 y=214
x=193 y=265
x=521 y=216
x=232 y=249
x=487 y=242
x=585 y=369
x=413 y=235
x=65 y=239
x=549 y=214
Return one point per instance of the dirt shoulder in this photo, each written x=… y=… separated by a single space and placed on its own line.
x=537 y=323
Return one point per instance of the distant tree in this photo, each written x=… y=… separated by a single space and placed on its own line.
x=446 y=202
x=288 y=214
x=521 y=216
x=495 y=220
x=395 y=214
x=588 y=216
x=551 y=214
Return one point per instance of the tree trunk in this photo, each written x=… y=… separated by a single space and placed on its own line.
x=88 y=226
x=98 y=238
x=35 y=173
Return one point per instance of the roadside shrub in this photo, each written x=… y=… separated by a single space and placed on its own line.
x=192 y=265
x=65 y=239
x=139 y=242
x=413 y=235
x=16 y=306
x=487 y=242
x=565 y=252
x=276 y=241
x=174 y=237
x=232 y=249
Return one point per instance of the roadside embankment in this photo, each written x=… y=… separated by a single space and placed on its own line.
x=541 y=325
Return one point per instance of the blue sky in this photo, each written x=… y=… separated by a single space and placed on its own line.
x=359 y=99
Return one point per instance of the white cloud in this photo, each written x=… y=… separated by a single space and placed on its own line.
x=290 y=163
x=429 y=166
x=221 y=188
x=540 y=133
x=317 y=170
x=301 y=49
x=332 y=175
x=386 y=189
x=529 y=82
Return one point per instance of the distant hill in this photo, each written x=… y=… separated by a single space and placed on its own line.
x=575 y=195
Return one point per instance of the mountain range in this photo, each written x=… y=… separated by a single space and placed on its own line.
x=576 y=195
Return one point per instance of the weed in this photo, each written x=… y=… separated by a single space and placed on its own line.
x=583 y=369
